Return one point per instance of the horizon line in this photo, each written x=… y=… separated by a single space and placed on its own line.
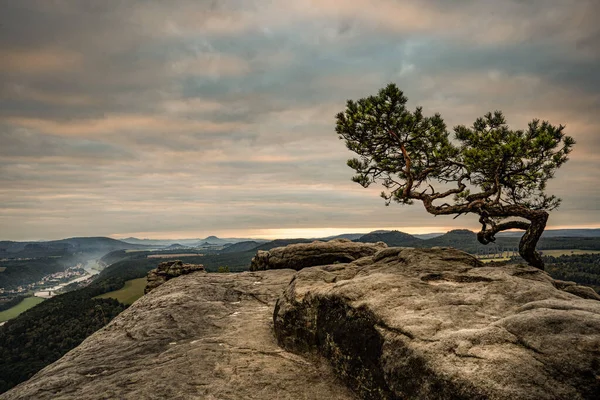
x=282 y=233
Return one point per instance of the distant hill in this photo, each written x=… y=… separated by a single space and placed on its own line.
x=240 y=247
x=426 y=236
x=95 y=244
x=391 y=238
x=65 y=246
x=462 y=239
x=349 y=236
x=215 y=240
x=160 y=242
x=595 y=233
x=175 y=246
x=195 y=242
x=282 y=242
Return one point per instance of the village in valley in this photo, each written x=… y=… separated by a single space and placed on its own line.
x=49 y=285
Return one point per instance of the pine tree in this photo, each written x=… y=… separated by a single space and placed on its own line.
x=490 y=170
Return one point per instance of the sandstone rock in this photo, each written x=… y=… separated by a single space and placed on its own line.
x=438 y=324
x=169 y=270
x=303 y=255
x=201 y=336
x=399 y=323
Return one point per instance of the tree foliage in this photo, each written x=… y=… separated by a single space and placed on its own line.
x=488 y=169
x=44 y=333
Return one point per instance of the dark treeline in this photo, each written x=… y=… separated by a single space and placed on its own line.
x=6 y=303
x=581 y=268
x=44 y=333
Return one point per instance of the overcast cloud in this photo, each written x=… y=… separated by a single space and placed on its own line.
x=186 y=118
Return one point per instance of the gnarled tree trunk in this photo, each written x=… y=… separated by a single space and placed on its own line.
x=531 y=237
x=533 y=231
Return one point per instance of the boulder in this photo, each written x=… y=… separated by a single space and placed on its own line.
x=199 y=336
x=438 y=324
x=304 y=255
x=169 y=270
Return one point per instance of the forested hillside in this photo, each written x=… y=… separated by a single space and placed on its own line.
x=22 y=272
x=581 y=268
x=47 y=331
x=23 y=263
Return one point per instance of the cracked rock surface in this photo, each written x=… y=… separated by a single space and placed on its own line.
x=437 y=324
x=199 y=336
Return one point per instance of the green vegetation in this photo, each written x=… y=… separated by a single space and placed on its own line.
x=23 y=306
x=409 y=153
x=223 y=269
x=581 y=268
x=10 y=302
x=568 y=252
x=133 y=290
x=44 y=333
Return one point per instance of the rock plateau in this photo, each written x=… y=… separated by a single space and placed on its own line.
x=375 y=323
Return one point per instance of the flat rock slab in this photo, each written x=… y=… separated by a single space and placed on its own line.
x=200 y=336
x=438 y=324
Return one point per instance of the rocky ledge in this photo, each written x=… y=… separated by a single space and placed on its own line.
x=438 y=324
x=399 y=323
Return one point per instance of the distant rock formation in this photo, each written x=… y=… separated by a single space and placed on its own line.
x=438 y=324
x=304 y=255
x=398 y=323
x=169 y=270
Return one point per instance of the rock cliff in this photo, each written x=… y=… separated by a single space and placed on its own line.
x=396 y=323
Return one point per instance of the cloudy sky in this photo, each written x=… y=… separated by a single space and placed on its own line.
x=186 y=118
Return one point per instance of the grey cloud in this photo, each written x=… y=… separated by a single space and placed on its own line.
x=187 y=144
x=23 y=143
